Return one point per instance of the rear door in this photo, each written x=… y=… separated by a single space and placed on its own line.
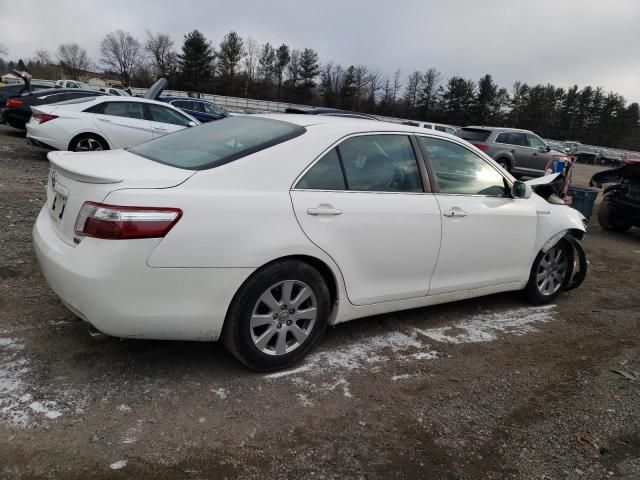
x=123 y=123
x=487 y=237
x=364 y=203
x=165 y=120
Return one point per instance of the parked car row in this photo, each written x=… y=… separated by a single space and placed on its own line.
x=78 y=119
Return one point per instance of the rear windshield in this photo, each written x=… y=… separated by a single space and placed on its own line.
x=219 y=142
x=473 y=134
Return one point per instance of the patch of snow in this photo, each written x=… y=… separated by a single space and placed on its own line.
x=221 y=392
x=118 y=465
x=304 y=400
x=47 y=408
x=486 y=327
x=400 y=377
x=124 y=408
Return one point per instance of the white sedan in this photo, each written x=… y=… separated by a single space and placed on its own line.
x=103 y=123
x=263 y=230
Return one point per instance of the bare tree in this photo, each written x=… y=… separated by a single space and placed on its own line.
x=395 y=89
x=411 y=92
x=293 y=69
x=43 y=56
x=121 y=53
x=374 y=85
x=164 y=59
x=73 y=59
x=252 y=51
x=360 y=81
x=3 y=49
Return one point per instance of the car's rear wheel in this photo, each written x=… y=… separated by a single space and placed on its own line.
x=607 y=217
x=550 y=273
x=277 y=316
x=504 y=163
x=88 y=142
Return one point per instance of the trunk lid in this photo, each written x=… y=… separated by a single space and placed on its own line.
x=75 y=178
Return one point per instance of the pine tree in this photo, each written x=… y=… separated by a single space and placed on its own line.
x=196 y=61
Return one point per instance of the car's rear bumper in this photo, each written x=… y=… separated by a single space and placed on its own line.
x=108 y=284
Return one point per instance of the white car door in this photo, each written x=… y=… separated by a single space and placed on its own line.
x=166 y=120
x=123 y=123
x=487 y=237
x=364 y=203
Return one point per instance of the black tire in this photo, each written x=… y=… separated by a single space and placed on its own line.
x=504 y=163
x=607 y=218
x=237 y=333
x=533 y=290
x=91 y=138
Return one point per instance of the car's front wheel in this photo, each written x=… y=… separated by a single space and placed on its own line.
x=607 y=217
x=277 y=316
x=550 y=273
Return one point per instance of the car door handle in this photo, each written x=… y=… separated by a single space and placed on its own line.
x=455 y=212
x=105 y=120
x=324 y=210
x=160 y=129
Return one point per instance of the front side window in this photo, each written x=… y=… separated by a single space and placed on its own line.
x=460 y=171
x=124 y=109
x=536 y=142
x=162 y=114
x=380 y=163
x=326 y=174
x=212 y=109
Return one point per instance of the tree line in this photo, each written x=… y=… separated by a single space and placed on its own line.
x=242 y=67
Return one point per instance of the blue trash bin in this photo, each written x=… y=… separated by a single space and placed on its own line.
x=582 y=199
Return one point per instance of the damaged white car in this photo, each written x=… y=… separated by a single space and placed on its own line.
x=262 y=230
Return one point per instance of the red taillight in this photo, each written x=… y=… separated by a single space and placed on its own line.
x=14 y=103
x=114 y=222
x=481 y=146
x=43 y=117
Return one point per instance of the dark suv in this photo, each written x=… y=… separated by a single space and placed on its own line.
x=521 y=152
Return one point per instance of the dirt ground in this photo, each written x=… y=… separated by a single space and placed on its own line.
x=489 y=388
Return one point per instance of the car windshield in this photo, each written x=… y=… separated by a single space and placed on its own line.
x=217 y=143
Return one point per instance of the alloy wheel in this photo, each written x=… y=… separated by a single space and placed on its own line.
x=88 y=145
x=283 y=317
x=552 y=271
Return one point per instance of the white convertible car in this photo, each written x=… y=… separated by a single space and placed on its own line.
x=262 y=230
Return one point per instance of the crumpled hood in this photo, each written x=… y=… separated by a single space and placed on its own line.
x=629 y=172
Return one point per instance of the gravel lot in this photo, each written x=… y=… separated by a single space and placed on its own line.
x=489 y=388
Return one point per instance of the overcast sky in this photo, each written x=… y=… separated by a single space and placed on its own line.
x=564 y=42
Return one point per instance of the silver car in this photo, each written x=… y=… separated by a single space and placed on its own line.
x=521 y=152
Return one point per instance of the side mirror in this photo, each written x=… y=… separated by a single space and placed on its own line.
x=192 y=124
x=521 y=190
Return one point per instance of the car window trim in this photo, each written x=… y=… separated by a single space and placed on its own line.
x=426 y=187
x=432 y=173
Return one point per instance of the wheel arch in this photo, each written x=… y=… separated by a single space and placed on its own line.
x=328 y=274
x=88 y=132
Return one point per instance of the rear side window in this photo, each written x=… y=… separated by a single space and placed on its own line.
x=326 y=174
x=216 y=143
x=186 y=104
x=380 y=163
x=474 y=134
x=440 y=128
x=124 y=109
x=513 y=138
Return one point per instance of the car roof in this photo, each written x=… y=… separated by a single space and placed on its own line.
x=351 y=124
x=502 y=129
x=173 y=97
x=118 y=98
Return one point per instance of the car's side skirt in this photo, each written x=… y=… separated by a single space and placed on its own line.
x=347 y=311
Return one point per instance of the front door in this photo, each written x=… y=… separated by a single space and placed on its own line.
x=364 y=204
x=123 y=124
x=487 y=237
x=165 y=120
x=540 y=153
